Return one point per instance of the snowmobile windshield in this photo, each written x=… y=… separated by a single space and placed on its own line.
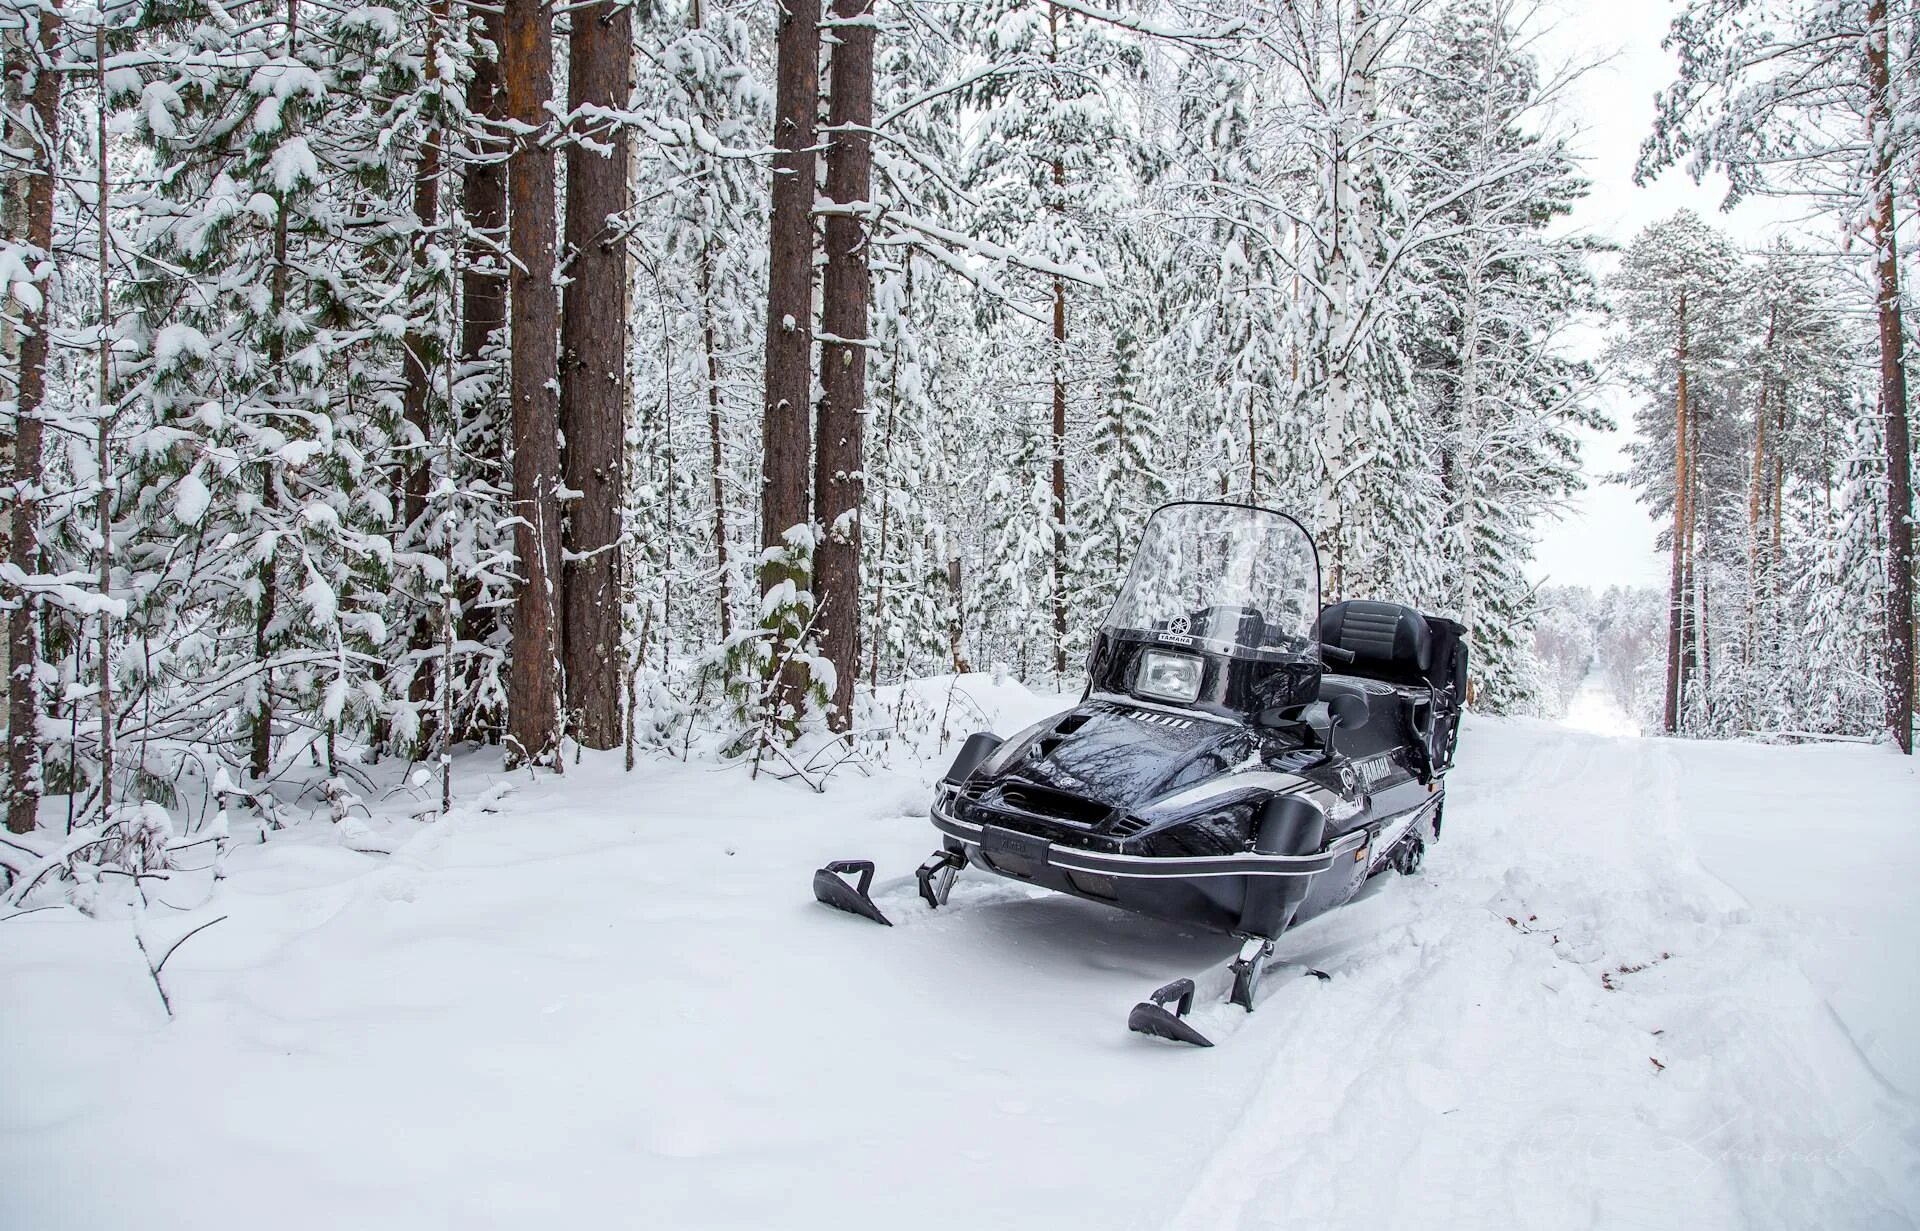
x=1223 y=577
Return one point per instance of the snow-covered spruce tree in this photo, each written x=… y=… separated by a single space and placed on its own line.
x=701 y=251
x=271 y=382
x=1123 y=448
x=1052 y=162
x=1493 y=296
x=1800 y=99
x=1843 y=591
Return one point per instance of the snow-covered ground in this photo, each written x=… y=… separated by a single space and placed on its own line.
x=1598 y=711
x=1641 y=983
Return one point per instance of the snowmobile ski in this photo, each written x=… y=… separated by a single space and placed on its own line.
x=1151 y=1016
x=937 y=874
x=830 y=886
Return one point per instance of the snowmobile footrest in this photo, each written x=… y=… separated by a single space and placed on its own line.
x=1150 y=1016
x=830 y=886
x=937 y=875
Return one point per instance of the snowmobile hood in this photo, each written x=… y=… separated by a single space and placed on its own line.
x=1118 y=756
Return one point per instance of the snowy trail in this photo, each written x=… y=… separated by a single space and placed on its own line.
x=614 y=1004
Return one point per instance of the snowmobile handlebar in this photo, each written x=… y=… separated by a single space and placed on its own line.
x=1334 y=653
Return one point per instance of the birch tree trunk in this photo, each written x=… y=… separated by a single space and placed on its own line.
x=32 y=124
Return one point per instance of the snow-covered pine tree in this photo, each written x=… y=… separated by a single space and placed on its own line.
x=1800 y=99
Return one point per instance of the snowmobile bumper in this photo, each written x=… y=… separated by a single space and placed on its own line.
x=1206 y=891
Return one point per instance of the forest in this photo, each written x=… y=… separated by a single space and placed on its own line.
x=383 y=379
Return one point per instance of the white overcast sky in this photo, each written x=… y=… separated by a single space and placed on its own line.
x=1606 y=538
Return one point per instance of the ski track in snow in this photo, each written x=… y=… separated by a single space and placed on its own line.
x=614 y=1004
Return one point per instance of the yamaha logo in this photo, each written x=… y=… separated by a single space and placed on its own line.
x=1179 y=625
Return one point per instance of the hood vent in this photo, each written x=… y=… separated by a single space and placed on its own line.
x=1055 y=805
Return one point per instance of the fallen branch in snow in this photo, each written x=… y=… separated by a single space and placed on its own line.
x=154 y=968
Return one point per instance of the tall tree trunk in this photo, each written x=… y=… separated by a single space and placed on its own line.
x=715 y=435
x=32 y=126
x=1059 y=437
x=786 y=431
x=419 y=362
x=1893 y=387
x=1676 y=589
x=840 y=437
x=103 y=458
x=483 y=278
x=266 y=608
x=594 y=385
x=533 y=668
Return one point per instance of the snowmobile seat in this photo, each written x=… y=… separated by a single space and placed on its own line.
x=1424 y=659
x=1388 y=642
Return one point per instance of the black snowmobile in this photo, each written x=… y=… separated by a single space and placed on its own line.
x=1218 y=772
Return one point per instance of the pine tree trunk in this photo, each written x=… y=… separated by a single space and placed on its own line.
x=1059 y=441
x=32 y=103
x=594 y=385
x=786 y=431
x=417 y=395
x=1676 y=601
x=839 y=485
x=103 y=458
x=715 y=434
x=1757 y=561
x=1893 y=387
x=483 y=282
x=533 y=666
x=260 y=729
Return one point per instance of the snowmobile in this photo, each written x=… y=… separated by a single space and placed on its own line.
x=1240 y=761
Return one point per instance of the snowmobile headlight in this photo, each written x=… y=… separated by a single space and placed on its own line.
x=1168 y=676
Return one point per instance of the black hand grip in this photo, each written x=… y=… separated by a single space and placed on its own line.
x=863 y=866
x=1181 y=988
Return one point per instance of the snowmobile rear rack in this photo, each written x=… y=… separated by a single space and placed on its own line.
x=1150 y=1016
x=829 y=886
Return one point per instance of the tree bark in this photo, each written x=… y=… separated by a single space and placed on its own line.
x=594 y=386
x=418 y=361
x=32 y=124
x=260 y=728
x=839 y=484
x=103 y=442
x=1677 y=593
x=1893 y=387
x=786 y=431
x=483 y=285
x=715 y=434
x=533 y=667
x=1059 y=426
